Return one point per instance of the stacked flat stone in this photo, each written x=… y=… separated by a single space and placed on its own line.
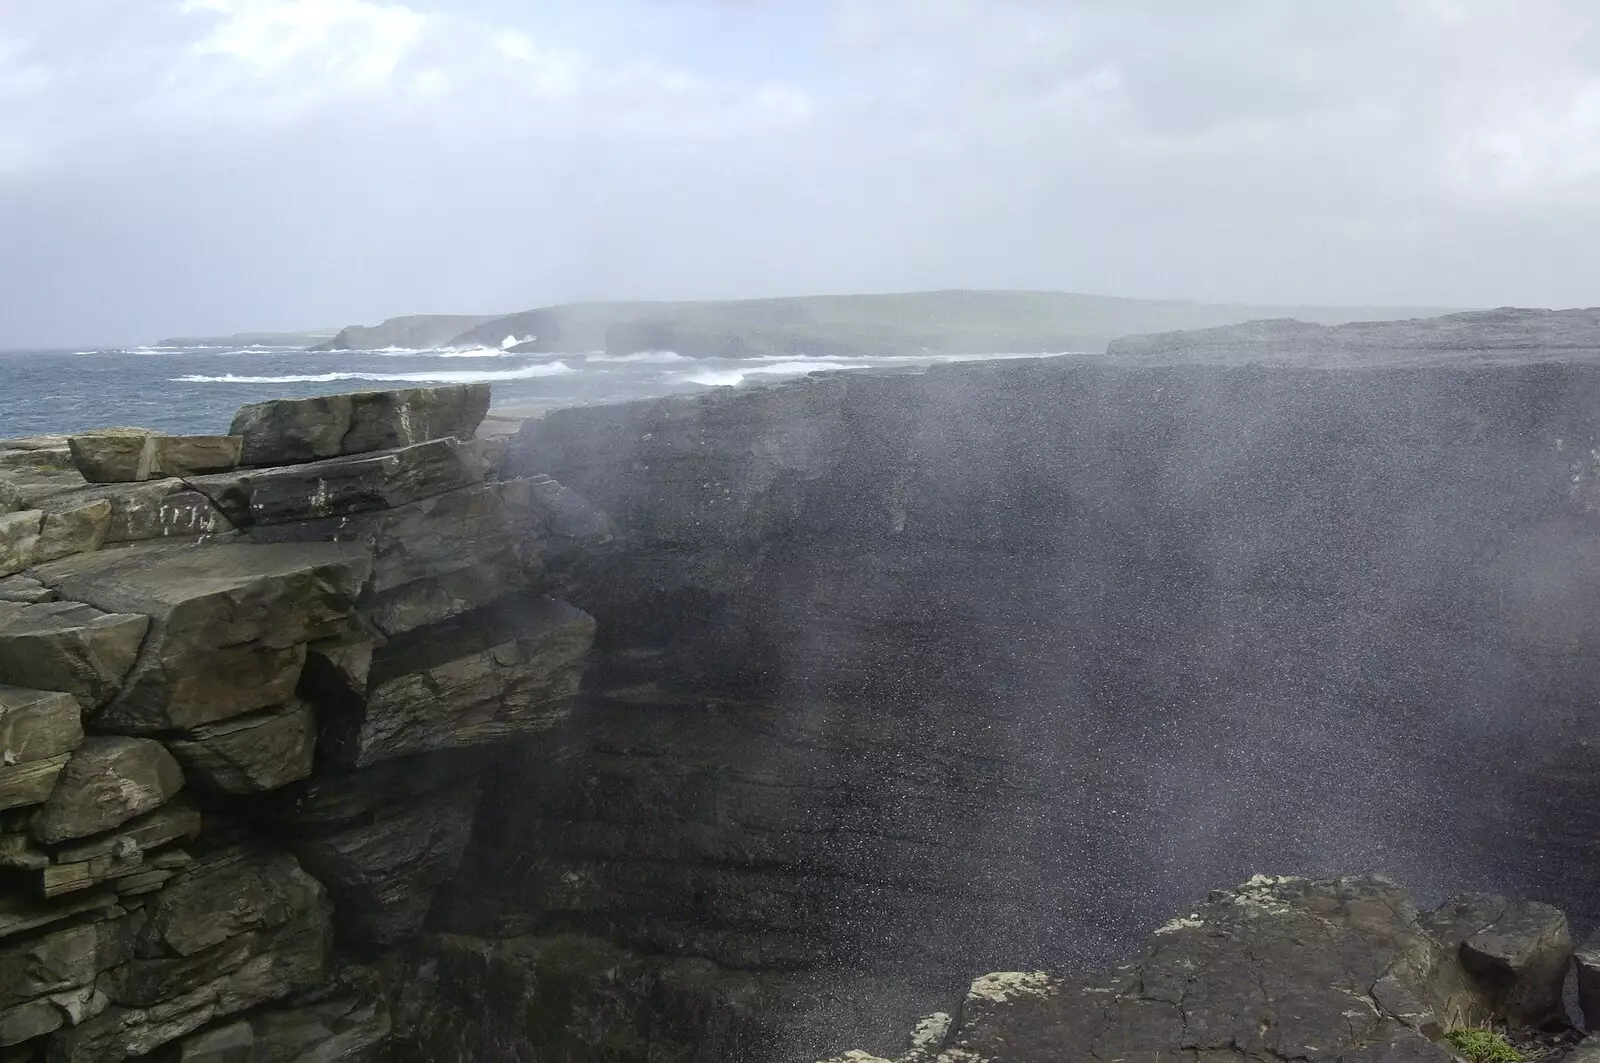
x=246 y=683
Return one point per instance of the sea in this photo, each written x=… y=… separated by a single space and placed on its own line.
x=195 y=390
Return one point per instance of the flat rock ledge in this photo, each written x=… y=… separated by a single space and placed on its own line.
x=1343 y=970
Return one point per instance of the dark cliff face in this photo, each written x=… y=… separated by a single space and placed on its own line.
x=1021 y=657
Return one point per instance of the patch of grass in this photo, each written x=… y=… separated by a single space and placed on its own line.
x=1477 y=1045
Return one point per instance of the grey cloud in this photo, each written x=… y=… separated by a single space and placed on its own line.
x=1404 y=152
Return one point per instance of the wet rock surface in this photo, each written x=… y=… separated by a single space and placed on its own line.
x=1278 y=968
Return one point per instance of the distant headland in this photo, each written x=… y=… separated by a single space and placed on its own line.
x=915 y=323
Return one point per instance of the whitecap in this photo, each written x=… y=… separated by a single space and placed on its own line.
x=638 y=356
x=430 y=377
x=809 y=365
x=714 y=378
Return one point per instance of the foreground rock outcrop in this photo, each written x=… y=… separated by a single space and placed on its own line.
x=1279 y=968
x=244 y=707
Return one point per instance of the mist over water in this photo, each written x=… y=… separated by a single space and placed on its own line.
x=197 y=389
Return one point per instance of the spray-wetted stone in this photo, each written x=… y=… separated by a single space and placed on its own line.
x=1518 y=951
x=498 y=672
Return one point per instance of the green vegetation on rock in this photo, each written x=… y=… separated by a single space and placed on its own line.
x=1478 y=1045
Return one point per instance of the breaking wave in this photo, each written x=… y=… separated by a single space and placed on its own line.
x=640 y=356
x=442 y=376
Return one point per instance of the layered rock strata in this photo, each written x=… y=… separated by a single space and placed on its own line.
x=247 y=686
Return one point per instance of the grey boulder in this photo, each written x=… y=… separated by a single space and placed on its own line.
x=107 y=782
x=19 y=540
x=491 y=674
x=229 y=622
x=252 y=753
x=1517 y=952
x=290 y=431
x=69 y=646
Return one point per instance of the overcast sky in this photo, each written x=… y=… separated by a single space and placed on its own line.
x=203 y=165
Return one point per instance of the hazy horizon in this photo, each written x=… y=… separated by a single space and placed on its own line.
x=206 y=167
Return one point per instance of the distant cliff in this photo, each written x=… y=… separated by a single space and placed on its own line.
x=416 y=331
x=951 y=322
x=1507 y=332
x=252 y=339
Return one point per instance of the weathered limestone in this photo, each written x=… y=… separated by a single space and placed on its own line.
x=22 y=914
x=336 y=487
x=498 y=672
x=114 y=455
x=30 y=783
x=37 y=724
x=238 y=929
x=252 y=753
x=1280 y=968
x=374 y=601
x=107 y=782
x=73 y=528
x=328 y=1024
x=49 y=982
x=382 y=840
x=230 y=623
x=1517 y=951
x=434 y=558
x=69 y=646
x=130 y=455
x=38 y=731
x=286 y=431
x=19 y=540
x=25 y=589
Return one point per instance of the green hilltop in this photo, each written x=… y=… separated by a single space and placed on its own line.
x=941 y=322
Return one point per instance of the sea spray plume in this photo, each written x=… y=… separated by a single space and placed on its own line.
x=1032 y=653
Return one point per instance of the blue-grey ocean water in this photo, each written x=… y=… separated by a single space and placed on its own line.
x=197 y=389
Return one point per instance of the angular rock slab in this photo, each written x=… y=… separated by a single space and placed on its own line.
x=290 y=431
x=432 y=559
x=336 y=487
x=30 y=783
x=114 y=455
x=19 y=540
x=250 y=754
x=37 y=724
x=124 y=456
x=382 y=840
x=26 y=590
x=70 y=962
x=236 y=930
x=76 y=527
x=69 y=646
x=229 y=622
x=324 y=1025
x=1517 y=952
x=107 y=782
x=484 y=676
